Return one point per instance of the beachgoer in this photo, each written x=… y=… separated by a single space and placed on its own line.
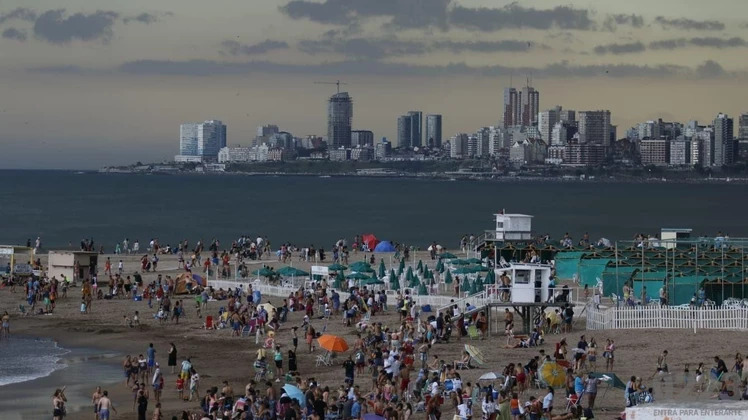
x=158 y=383
x=95 y=400
x=172 y=363
x=105 y=406
x=58 y=404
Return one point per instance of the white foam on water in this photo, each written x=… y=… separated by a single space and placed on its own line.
x=26 y=359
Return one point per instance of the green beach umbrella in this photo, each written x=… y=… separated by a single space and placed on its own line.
x=292 y=272
x=440 y=266
x=490 y=278
x=448 y=278
x=479 y=268
x=409 y=274
x=401 y=266
x=458 y=261
x=465 y=286
x=372 y=281
x=463 y=270
x=473 y=260
x=357 y=276
x=474 y=288
x=394 y=282
x=264 y=272
x=360 y=266
x=447 y=256
x=422 y=290
x=382 y=269
x=419 y=267
x=338 y=283
x=337 y=267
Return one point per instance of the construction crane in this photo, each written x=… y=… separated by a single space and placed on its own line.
x=336 y=83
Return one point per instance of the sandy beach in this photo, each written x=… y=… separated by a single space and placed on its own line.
x=218 y=356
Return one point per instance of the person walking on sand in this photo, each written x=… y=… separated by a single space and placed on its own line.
x=105 y=406
x=172 y=363
x=151 y=353
x=6 y=324
x=95 y=400
x=158 y=383
x=58 y=404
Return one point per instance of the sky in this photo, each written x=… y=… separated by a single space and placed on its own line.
x=85 y=84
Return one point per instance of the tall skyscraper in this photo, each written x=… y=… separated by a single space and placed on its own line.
x=512 y=114
x=594 y=127
x=416 y=128
x=404 y=131
x=202 y=141
x=434 y=130
x=546 y=121
x=567 y=115
x=530 y=105
x=264 y=132
x=362 y=138
x=724 y=140
x=743 y=126
x=339 y=117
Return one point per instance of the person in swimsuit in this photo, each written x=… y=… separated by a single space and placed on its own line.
x=105 y=405
x=95 y=400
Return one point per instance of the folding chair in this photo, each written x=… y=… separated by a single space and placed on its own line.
x=463 y=365
x=574 y=401
x=714 y=381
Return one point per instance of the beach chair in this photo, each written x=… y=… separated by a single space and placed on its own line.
x=448 y=388
x=324 y=359
x=572 y=401
x=714 y=381
x=463 y=365
x=473 y=332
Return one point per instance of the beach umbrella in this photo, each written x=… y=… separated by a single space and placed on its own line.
x=337 y=267
x=474 y=260
x=422 y=290
x=269 y=308
x=292 y=272
x=357 y=276
x=409 y=274
x=490 y=278
x=463 y=270
x=419 y=267
x=448 y=277
x=394 y=282
x=372 y=281
x=338 y=283
x=552 y=374
x=360 y=266
x=295 y=394
x=414 y=282
x=489 y=376
x=264 y=272
x=474 y=288
x=363 y=270
x=447 y=256
x=458 y=261
x=332 y=343
x=475 y=353
x=465 y=286
x=440 y=266
x=382 y=269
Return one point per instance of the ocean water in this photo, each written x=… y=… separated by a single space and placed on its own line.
x=26 y=359
x=64 y=207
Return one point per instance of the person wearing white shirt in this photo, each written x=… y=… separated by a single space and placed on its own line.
x=434 y=388
x=548 y=402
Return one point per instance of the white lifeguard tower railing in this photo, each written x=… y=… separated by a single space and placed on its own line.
x=511 y=227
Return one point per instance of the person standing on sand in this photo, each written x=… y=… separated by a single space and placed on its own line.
x=58 y=404
x=142 y=402
x=158 y=383
x=95 y=400
x=6 y=324
x=151 y=353
x=172 y=363
x=105 y=405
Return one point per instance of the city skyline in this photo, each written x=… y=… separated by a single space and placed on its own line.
x=88 y=86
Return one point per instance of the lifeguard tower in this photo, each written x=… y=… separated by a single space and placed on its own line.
x=529 y=282
x=511 y=227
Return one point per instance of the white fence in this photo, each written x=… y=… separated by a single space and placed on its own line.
x=666 y=317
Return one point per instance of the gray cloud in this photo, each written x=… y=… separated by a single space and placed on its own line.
x=562 y=69
x=20 y=13
x=510 y=45
x=146 y=18
x=363 y=48
x=16 y=34
x=612 y=22
x=633 y=47
x=689 y=24
x=237 y=48
x=711 y=42
x=403 y=14
x=54 y=27
x=515 y=16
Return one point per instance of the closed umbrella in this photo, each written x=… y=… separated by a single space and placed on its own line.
x=382 y=269
x=465 y=286
x=448 y=277
x=401 y=267
x=474 y=288
x=490 y=278
x=440 y=266
x=419 y=267
x=338 y=283
x=422 y=290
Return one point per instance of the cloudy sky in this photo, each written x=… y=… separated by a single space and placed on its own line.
x=88 y=83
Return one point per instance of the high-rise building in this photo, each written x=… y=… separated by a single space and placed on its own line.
x=362 y=138
x=512 y=113
x=483 y=145
x=202 y=140
x=680 y=152
x=434 y=130
x=458 y=146
x=404 y=128
x=546 y=120
x=724 y=140
x=707 y=146
x=382 y=149
x=416 y=128
x=264 y=132
x=743 y=126
x=567 y=115
x=594 y=127
x=530 y=105
x=339 y=118
x=655 y=152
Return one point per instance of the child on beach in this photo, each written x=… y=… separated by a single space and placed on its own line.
x=180 y=387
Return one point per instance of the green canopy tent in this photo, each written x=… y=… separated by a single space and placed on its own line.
x=473 y=260
x=653 y=288
x=458 y=261
x=590 y=270
x=382 y=269
x=567 y=264
x=448 y=277
x=681 y=289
